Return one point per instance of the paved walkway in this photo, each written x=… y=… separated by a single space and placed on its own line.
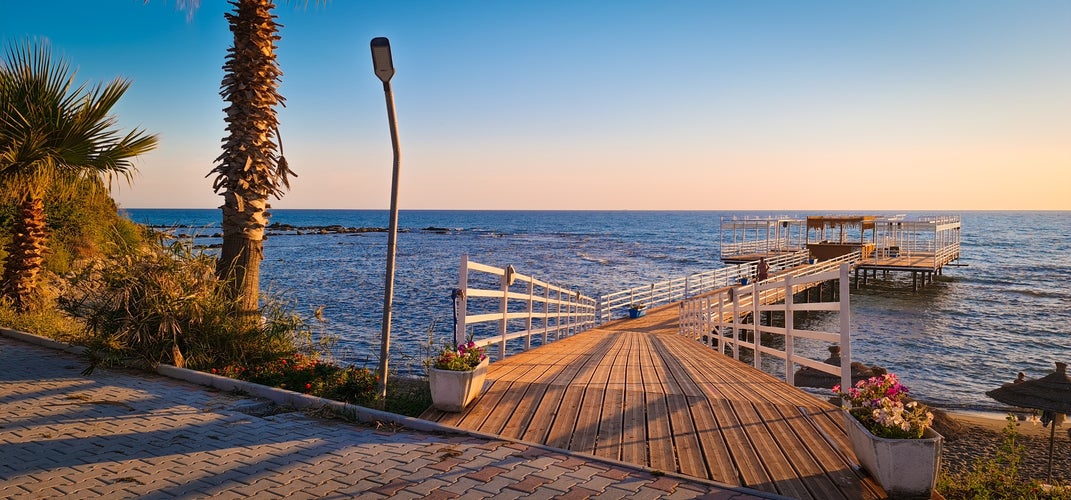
x=123 y=434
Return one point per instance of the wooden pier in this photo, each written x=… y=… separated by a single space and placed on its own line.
x=921 y=245
x=635 y=391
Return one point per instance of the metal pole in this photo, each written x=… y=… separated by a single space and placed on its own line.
x=384 y=66
x=392 y=237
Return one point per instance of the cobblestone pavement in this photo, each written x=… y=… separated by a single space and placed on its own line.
x=124 y=434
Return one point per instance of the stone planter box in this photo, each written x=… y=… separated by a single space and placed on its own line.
x=453 y=390
x=906 y=468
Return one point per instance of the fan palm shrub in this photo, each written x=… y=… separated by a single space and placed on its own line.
x=54 y=134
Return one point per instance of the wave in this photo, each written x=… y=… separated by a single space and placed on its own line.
x=591 y=258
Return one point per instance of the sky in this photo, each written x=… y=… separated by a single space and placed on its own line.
x=606 y=105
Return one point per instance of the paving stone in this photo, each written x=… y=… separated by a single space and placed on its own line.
x=496 y=485
x=578 y=494
x=615 y=474
x=441 y=495
x=584 y=472
x=666 y=484
x=486 y=474
x=428 y=486
x=529 y=484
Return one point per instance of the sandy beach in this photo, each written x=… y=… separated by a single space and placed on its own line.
x=975 y=435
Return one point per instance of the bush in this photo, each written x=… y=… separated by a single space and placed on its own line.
x=310 y=375
x=997 y=476
x=44 y=322
x=163 y=304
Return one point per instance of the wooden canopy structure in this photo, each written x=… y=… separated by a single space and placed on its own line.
x=831 y=236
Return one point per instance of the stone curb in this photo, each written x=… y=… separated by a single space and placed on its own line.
x=30 y=338
x=300 y=401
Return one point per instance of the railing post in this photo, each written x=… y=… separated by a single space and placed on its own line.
x=574 y=308
x=528 y=327
x=546 y=313
x=463 y=287
x=702 y=318
x=845 y=328
x=720 y=324
x=558 y=319
x=736 y=322
x=756 y=321
x=504 y=309
x=790 y=344
x=598 y=311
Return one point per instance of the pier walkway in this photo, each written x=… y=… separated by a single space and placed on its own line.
x=635 y=391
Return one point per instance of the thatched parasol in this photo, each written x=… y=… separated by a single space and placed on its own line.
x=1051 y=393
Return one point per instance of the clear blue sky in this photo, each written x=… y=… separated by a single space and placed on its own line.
x=838 y=105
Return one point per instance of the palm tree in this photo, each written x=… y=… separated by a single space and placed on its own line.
x=251 y=167
x=53 y=134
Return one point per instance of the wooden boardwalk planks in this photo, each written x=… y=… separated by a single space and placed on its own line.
x=637 y=392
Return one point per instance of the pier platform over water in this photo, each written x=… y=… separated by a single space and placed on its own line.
x=636 y=391
x=921 y=245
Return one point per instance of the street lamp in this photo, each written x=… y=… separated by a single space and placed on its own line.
x=384 y=67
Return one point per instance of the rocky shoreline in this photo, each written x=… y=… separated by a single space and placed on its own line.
x=278 y=229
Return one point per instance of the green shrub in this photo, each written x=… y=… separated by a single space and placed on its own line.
x=163 y=304
x=45 y=322
x=997 y=476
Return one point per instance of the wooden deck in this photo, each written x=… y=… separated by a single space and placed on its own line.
x=635 y=391
x=915 y=262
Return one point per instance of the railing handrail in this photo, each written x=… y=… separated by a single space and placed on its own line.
x=554 y=313
x=676 y=289
x=704 y=318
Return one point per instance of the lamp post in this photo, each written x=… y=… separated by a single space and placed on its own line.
x=384 y=68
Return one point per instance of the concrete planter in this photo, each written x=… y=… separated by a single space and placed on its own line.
x=906 y=468
x=453 y=390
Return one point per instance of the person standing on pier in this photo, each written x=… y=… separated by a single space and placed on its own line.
x=763 y=269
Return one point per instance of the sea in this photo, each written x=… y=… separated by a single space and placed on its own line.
x=1004 y=308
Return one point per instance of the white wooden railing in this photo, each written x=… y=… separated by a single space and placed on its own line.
x=717 y=318
x=676 y=289
x=498 y=305
x=758 y=247
x=933 y=239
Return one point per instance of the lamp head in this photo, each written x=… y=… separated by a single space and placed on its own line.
x=381 y=59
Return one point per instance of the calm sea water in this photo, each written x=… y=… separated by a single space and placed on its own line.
x=1008 y=310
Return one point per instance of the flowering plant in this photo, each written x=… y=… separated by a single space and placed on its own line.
x=878 y=402
x=462 y=359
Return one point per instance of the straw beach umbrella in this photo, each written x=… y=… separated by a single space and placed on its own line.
x=1051 y=392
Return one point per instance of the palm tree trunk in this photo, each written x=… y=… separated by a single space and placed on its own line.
x=25 y=254
x=242 y=251
x=249 y=168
